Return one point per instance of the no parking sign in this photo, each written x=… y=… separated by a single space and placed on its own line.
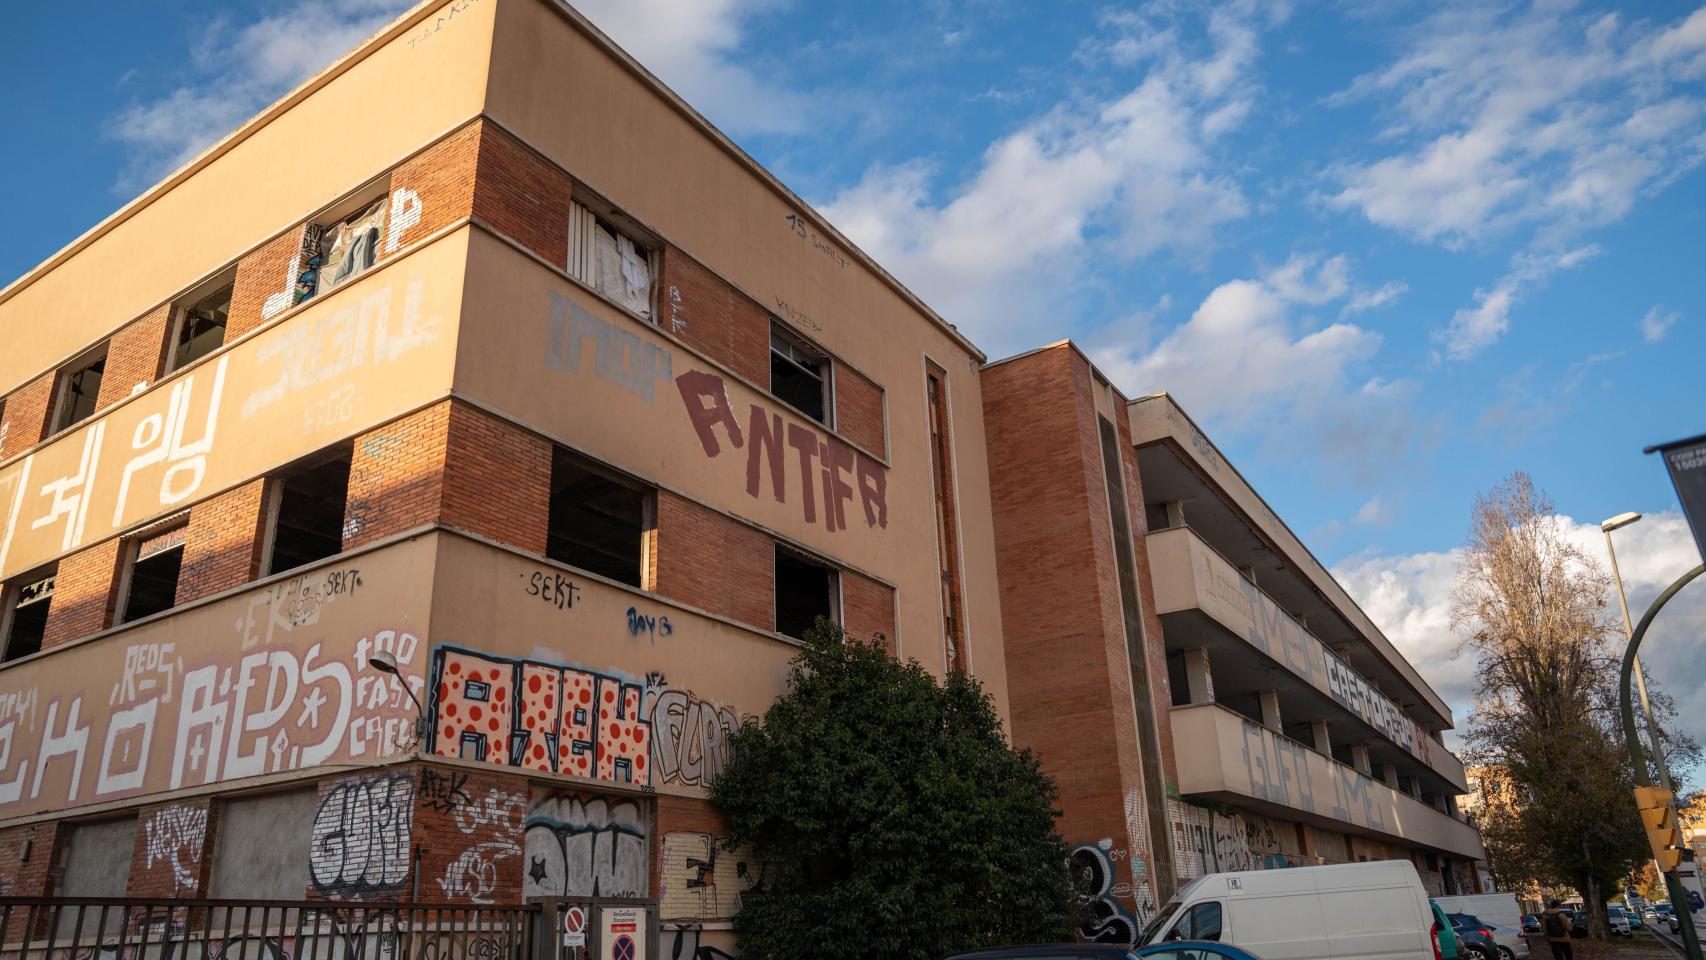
x=574 y=927
x=624 y=933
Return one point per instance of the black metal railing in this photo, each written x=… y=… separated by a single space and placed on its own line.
x=69 y=928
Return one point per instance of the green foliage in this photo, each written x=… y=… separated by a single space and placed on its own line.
x=892 y=818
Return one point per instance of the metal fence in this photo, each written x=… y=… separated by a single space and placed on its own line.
x=67 y=928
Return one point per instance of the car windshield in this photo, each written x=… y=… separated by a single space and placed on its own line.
x=1159 y=923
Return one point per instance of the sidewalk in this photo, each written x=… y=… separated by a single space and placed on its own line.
x=1644 y=946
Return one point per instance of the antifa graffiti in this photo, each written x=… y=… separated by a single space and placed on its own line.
x=584 y=847
x=822 y=462
x=362 y=833
x=539 y=716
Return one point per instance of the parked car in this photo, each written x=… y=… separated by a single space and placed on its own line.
x=1501 y=915
x=1475 y=937
x=1050 y=951
x=1618 y=922
x=1445 y=942
x=1195 y=950
x=1635 y=919
x=1376 y=910
x=1530 y=923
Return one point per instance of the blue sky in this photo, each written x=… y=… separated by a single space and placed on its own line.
x=1386 y=253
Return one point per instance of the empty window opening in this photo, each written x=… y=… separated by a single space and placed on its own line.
x=308 y=514
x=805 y=591
x=799 y=376
x=23 y=621
x=79 y=388
x=598 y=519
x=152 y=586
x=606 y=258
x=348 y=248
x=201 y=328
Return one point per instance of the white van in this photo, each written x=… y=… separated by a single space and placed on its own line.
x=1498 y=909
x=1353 y=911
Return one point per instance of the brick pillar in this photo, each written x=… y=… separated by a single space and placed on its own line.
x=468 y=831
x=367 y=850
x=29 y=857
x=25 y=417
x=84 y=594
x=497 y=479
x=867 y=608
x=135 y=355
x=266 y=273
x=173 y=853
x=522 y=195
x=222 y=545
x=396 y=476
x=859 y=410
x=712 y=562
x=434 y=188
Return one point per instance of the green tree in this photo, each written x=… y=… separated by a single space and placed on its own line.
x=891 y=817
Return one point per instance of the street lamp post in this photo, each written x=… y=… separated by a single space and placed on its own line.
x=1615 y=523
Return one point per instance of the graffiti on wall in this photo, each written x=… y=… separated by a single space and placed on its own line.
x=821 y=464
x=193 y=432
x=567 y=720
x=171 y=721
x=1103 y=918
x=362 y=835
x=491 y=827
x=619 y=356
x=174 y=835
x=580 y=846
x=1280 y=771
x=702 y=880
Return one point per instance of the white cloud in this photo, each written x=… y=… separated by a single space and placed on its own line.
x=1541 y=115
x=1474 y=328
x=1373 y=512
x=1384 y=295
x=1409 y=598
x=234 y=71
x=694 y=46
x=1655 y=326
x=1057 y=204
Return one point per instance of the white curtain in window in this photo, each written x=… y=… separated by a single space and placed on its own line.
x=351 y=247
x=636 y=277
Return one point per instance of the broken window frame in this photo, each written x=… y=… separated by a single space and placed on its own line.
x=832 y=598
x=275 y=491
x=41 y=579
x=585 y=220
x=796 y=352
x=157 y=540
x=224 y=283
x=67 y=382
x=318 y=234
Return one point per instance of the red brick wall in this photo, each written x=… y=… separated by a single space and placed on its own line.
x=463 y=823
x=867 y=608
x=134 y=355
x=222 y=547
x=522 y=195
x=680 y=815
x=1067 y=682
x=396 y=476
x=442 y=176
x=37 y=876
x=497 y=479
x=264 y=272
x=26 y=413
x=84 y=593
x=173 y=852
x=712 y=317
x=710 y=561
x=859 y=410
x=375 y=812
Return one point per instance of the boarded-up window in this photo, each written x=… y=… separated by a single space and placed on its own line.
x=97 y=858
x=261 y=852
